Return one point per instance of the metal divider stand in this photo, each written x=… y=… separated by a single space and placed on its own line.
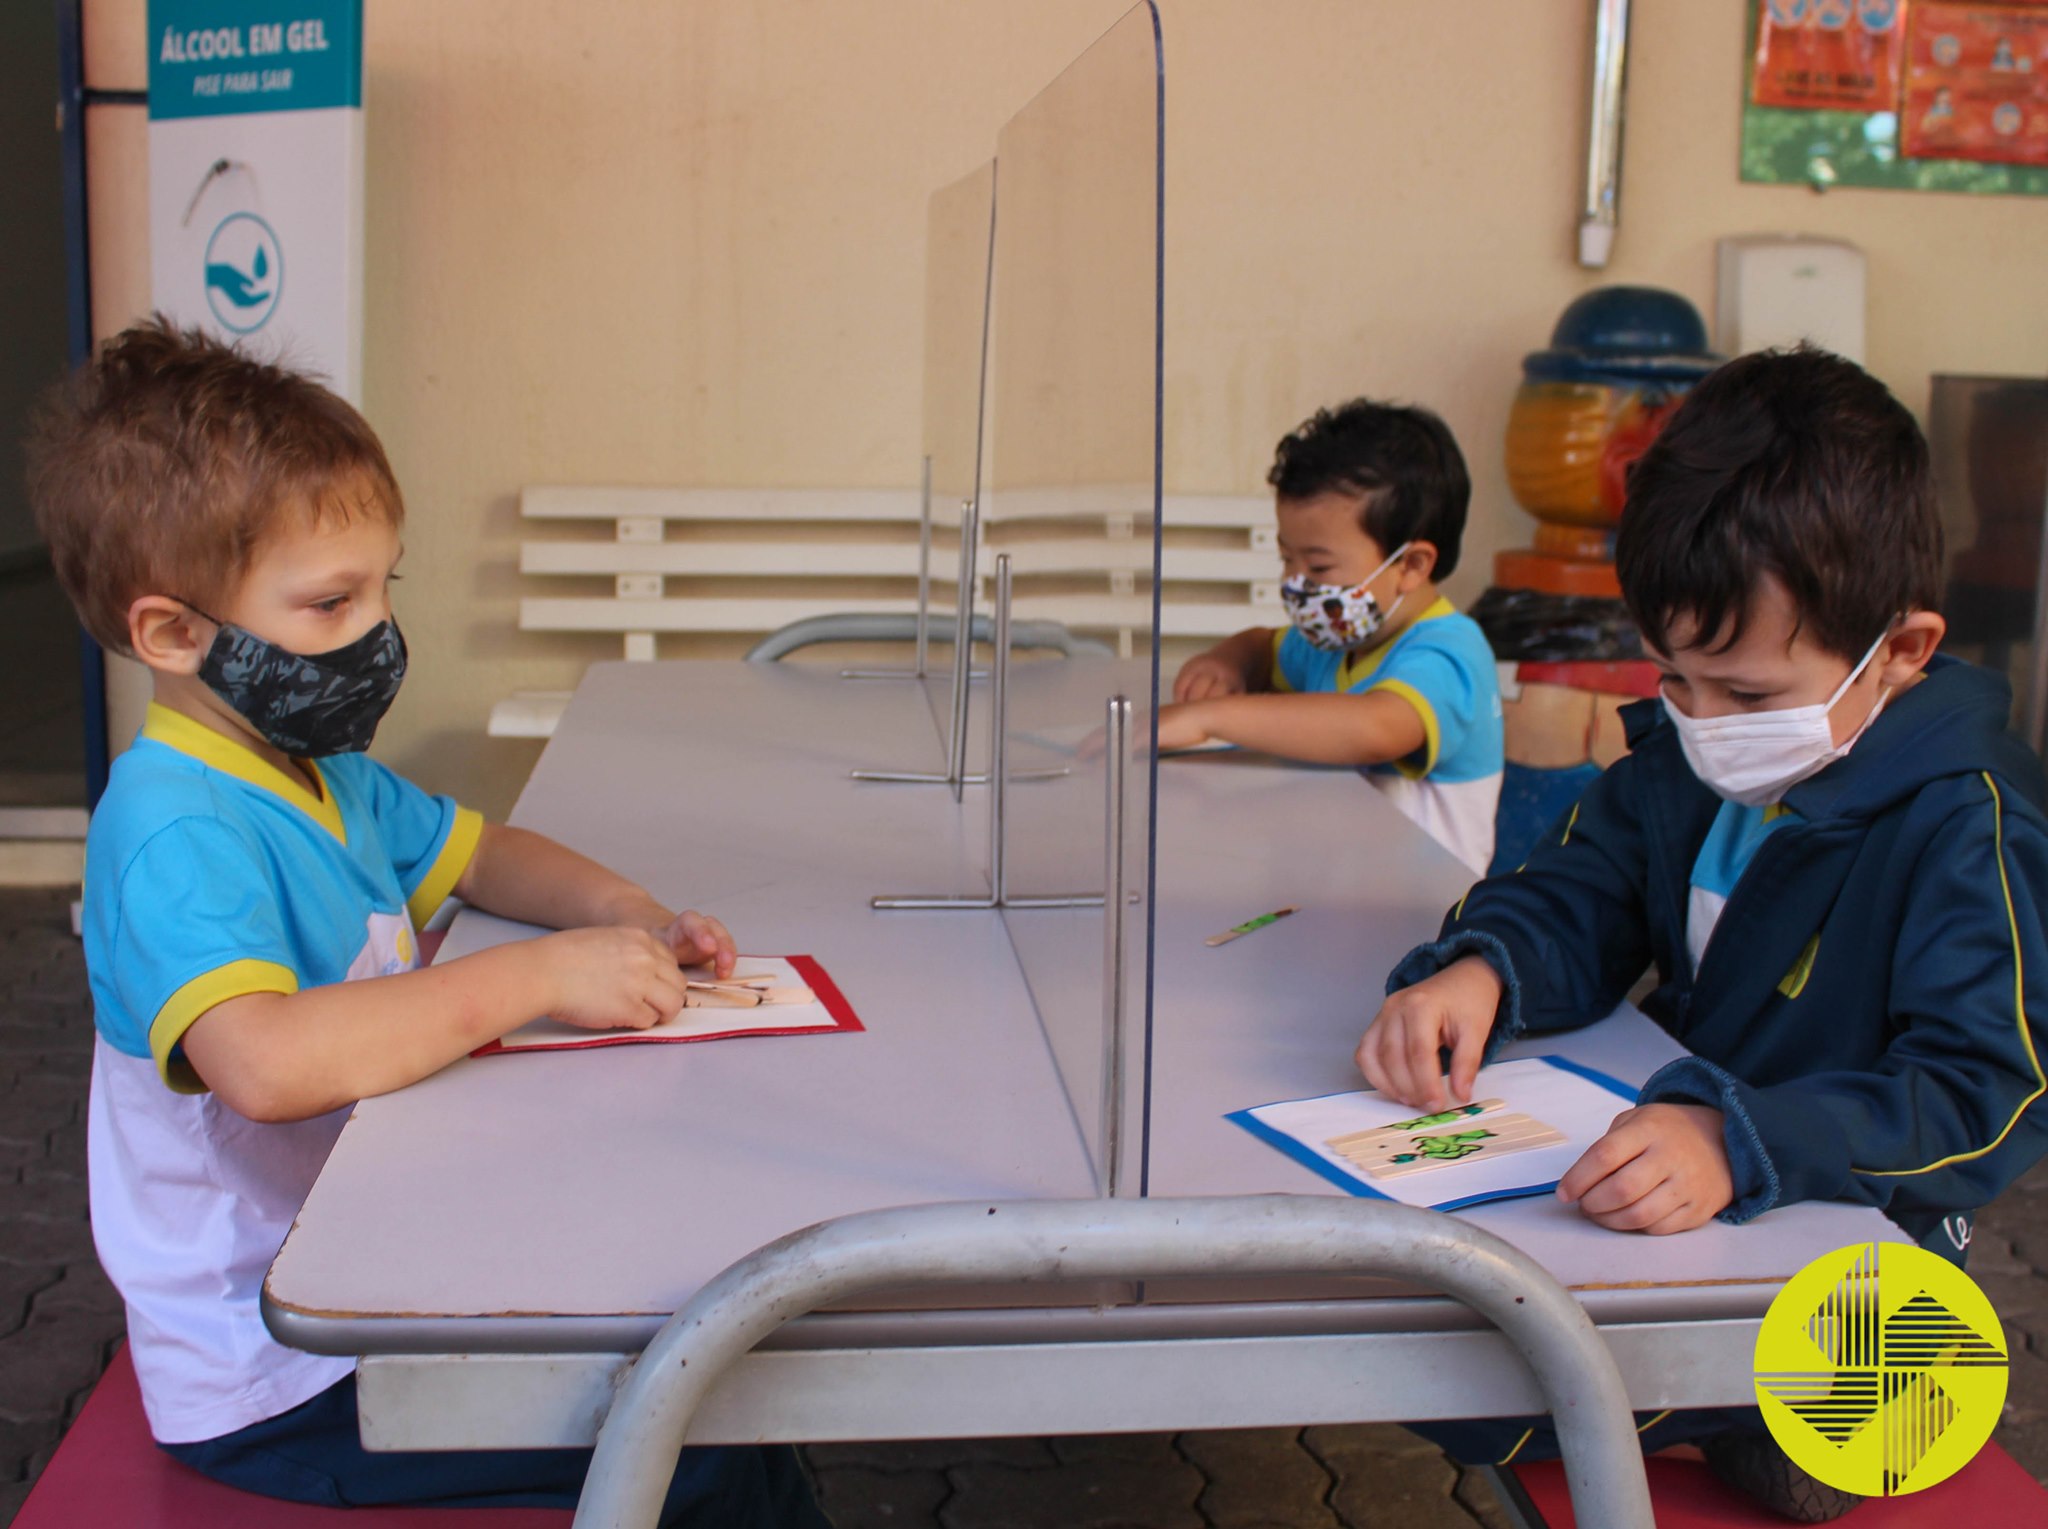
x=1116 y=758
x=955 y=774
x=999 y=774
x=924 y=591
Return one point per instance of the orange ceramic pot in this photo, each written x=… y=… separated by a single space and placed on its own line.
x=1619 y=361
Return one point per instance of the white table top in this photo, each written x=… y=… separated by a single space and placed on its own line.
x=1370 y=887
x=616 y=1181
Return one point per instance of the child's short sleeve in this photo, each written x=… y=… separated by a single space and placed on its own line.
x=429 y=839
x=1294 y=665
x=1458 y=698
x=198 y=925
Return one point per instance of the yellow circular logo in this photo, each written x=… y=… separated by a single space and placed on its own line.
x=1880 y=1369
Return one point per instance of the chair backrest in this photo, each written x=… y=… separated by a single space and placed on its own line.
x=903 y=628
x=756 y=560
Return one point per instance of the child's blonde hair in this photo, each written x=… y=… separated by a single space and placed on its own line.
x=161 y=467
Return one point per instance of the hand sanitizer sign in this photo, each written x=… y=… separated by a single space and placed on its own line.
x=256 y=177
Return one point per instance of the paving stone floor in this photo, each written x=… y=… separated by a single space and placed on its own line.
x=59 y=1321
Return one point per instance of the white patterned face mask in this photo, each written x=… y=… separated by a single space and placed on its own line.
x=1339 y=617
x=1753 y=758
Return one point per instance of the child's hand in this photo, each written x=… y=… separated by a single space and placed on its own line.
x=611 y=978
x=1181 y=727
x=1205 y=676
x=1660 y=1168
x=698 y=937
x=1455 y=1008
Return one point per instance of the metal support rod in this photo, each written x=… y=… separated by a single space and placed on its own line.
x=998 y=774
x=955 y=774
x=924 y=566
x=933 y=1246
x=963 y=644
x=1116 y=758
x=1600 y=212
x=998 y=732
x=924 y=591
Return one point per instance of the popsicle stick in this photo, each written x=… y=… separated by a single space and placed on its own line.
x=1487 y=1154
x=1453 y=1116
x=1238 y=931
x=696 y=996
x=1494 y=1136
x=787 y=995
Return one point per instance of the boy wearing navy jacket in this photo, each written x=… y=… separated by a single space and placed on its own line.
x=1823 y=838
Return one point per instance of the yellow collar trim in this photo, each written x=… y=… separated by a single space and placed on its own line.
x=175 y=730
x=1355 y=668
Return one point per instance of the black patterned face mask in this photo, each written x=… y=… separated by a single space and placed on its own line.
x=307 y=704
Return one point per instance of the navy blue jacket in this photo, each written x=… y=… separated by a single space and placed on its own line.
x=1872 y=1011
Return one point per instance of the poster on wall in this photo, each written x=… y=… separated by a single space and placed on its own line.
x=1909 y=95
x=256 y=177
x=1841 y=54
x=1977 y=83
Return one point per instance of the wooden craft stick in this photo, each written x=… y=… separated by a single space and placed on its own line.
x=1454 y=1115
x=1393 y=1155
x=712 y=995
x=753 y=979
x=1240 y=930
x=697 y=996
x=1402 y=1164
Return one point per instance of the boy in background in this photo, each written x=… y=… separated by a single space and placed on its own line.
x=1824 y=839
x=254 y=889
x=1377 y=670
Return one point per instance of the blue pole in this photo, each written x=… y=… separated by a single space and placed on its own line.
x=71 y=97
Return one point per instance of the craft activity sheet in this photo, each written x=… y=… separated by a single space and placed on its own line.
x=1528 y=1121
x=765 y=995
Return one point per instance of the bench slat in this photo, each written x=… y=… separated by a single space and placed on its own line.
x=563 y=502
x=1079 y=612
x=890 y=505
x=890 y=560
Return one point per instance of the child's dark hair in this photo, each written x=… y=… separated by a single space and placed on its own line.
x=161 y=467
x=1795 y=464
x=1403 y=459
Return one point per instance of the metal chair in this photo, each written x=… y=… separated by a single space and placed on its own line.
x=1067 y=1240
x=864 y=627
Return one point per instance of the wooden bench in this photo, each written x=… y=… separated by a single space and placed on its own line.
x=109 y=1474
x=640 y=562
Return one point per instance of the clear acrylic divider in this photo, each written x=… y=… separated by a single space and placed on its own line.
x=959 y=248
x=1073 y=500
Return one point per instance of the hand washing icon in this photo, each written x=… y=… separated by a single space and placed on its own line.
x=244 y=272
x=237 y=288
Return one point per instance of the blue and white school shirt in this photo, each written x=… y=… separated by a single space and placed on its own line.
x=209 y=875
x=1732 y=841
x=1443 y=666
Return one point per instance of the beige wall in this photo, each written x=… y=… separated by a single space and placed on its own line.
x=683 y=243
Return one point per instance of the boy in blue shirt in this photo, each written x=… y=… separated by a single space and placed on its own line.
x=254 y=889
x=1824 y=839
x=1377 y=669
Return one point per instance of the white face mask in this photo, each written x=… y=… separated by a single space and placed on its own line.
x=1339 y=617
x=1755 y=757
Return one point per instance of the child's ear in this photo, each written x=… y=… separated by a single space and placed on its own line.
x=165 y=635
x=1418 y=565
x=1912 y=644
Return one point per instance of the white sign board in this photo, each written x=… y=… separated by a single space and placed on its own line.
x=256 y=177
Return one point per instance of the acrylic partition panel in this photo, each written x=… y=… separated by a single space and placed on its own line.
x=958 y=250
x=1073 y=499
x=1989 y=437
